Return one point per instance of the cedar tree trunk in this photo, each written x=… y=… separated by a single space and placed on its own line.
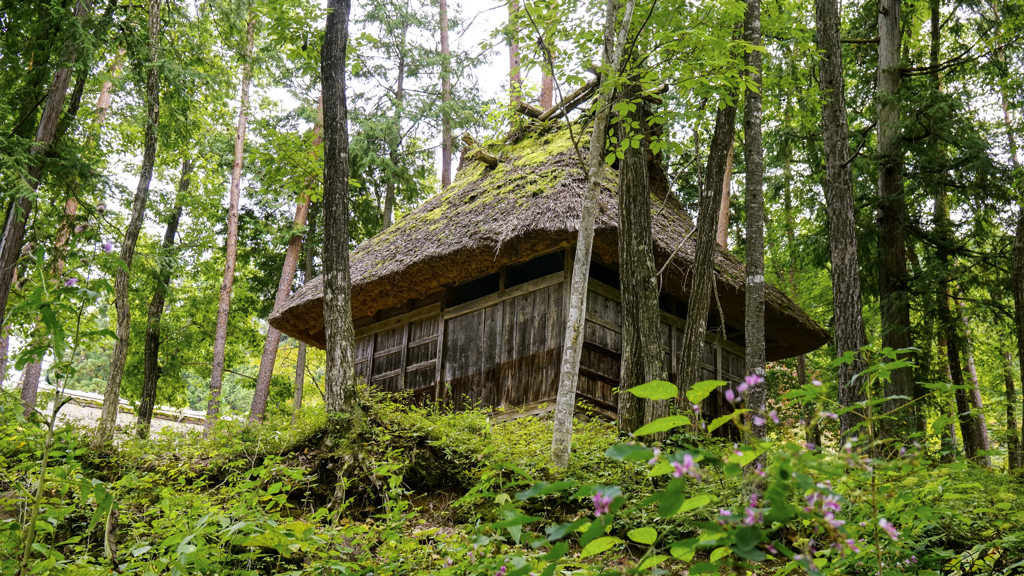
x=722 y=235
x=151 y=344
x=702 y=274
x=340 y=378
x=220 y=337
x=753 y=156
x=395 y=142
x=893 y=280
x=19 y=208
x=446 y=99
x=307 y=274
x=112 y=394
x=284 y=288
x=1012 y=439
x=642 y=355
x=515 y=84
x=848 y=321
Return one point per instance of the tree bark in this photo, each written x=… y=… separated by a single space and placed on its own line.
x=307 y=275
x=893 y=280
x=979 y=429
x=20 y=207
x=515 y=83
x=446 y=99
x=30 y=386
x=220 y=337
x=642 y=355
x=395 y=142
x=753 y=155
x=107 y=92
x=848 y=321
x=565 y=402
x=547 y=91
x=112 y=394
x=339 y=380
x=1012 y=439
x=151 y=345
x=702 y=273
x=722 y=235
x=284 y=289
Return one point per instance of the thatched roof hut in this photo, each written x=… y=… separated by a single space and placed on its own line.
x=527 y=205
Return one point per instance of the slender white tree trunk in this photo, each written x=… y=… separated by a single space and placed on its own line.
x=565 y=403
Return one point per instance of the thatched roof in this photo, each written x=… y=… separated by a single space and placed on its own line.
x=527 y=205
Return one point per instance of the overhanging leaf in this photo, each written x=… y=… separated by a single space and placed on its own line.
x=655 y=390
x=599 y=545
x=663 y=425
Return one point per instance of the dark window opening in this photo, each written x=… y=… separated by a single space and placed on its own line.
x=665 y=303
x=539 y=267
x=604 y=274
x=468 y=291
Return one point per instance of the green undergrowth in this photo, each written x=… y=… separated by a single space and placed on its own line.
x=420 y=490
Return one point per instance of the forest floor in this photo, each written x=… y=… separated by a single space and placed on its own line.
x=416 y=490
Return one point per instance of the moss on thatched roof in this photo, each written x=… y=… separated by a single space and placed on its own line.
x=528 y=204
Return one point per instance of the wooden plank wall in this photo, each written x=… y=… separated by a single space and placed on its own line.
x=505 y=350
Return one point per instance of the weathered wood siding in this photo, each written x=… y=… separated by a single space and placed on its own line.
x=504 y=350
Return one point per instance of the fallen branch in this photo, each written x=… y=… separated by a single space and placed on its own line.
x=572 y=101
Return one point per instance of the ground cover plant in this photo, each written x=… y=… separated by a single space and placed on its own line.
x=424 y=490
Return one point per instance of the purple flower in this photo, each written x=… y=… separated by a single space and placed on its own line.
x=101 y=207
x=687 y=467
x=71 y=282
x=501 y=571
x=758 y=421
x=809 y=445
x=830 y=519
x=889 y=528
x=831 y=502
x=752 y=380
x=654 y=460
x=753 y=516
x=816 y=382
x=448 y=562
x=731 y=396
x=831 y=415
x=774 y=416
x=602 y=504
x=696 y=408
x=771 y=549
x=852 y=546
x=108 y=247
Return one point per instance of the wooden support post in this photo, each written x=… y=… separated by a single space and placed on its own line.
x=528 y=110
x=478 y=153
x=439 y=370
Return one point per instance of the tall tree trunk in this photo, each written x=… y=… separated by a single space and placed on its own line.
x=220 y=337
x=20 y=207
x=848 y=322
x=284 y=287
x=307 y=275
x=151 y=344
x=515 y=77
x=963 y=402
x=893 y=280
x=112 y=394
x=547 y=90
x=30 y=386
x=979 y=429
x=702 y=273
x=642 y=355
x=948 y=439
x=753 y=159
x=1012 y=439
x=722 y=235
x=565 y=402
x=339 y=382
x=446 y=100
x=1018 y=247
x=396 y=137
x=107 y=91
